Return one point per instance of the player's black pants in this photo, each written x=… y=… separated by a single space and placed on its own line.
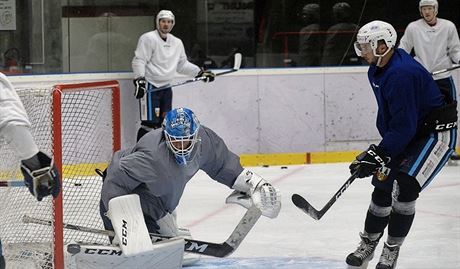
x=153 y=107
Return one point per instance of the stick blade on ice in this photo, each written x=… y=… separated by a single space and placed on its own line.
x=305 y=206
x=237 y=63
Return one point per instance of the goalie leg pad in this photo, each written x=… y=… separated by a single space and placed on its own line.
x=166 y=254
x=129 y=225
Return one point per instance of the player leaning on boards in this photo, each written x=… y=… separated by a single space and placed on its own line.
x=158 y=56
x=436 y=45
x=417 y=124
x=159 y=166
x=40 y=174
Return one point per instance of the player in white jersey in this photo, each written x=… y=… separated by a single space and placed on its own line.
x=436 y=45
x=158 y=56
x=40 y=175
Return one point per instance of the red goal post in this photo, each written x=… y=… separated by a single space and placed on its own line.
x=79 y=124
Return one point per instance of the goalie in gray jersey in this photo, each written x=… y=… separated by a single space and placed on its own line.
x=159 y=166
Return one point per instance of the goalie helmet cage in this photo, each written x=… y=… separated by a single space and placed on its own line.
x=79 y=124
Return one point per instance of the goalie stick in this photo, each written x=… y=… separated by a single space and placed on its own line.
x=194 y=246
x=236 y=67
x=446 y=69
x=306 y=207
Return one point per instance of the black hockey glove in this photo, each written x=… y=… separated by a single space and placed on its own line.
x=208 y=75
x=41 y=176
x=369 y=161
x=139 y=84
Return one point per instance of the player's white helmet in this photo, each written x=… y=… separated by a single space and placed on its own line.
x=433 y=3
x=373 y=32
x=165 y=14
x=180 y=128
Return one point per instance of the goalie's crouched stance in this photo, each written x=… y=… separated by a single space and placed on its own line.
x=158 y=168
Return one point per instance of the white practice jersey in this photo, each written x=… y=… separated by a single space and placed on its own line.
x=149 y=169
x=158 y=60
x=14 y=123
x=435 y=47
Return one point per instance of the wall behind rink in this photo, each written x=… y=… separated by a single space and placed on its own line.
x=265 y=110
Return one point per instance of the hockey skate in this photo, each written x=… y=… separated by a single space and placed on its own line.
x=363 y=254
x=389 y=257
x=454 y=160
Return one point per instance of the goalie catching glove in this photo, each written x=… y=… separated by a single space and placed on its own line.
x=251 y=189
x=369 y=162
x=41 y=176
x=208 y=75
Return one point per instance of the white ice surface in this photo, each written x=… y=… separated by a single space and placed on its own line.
x=296 y=241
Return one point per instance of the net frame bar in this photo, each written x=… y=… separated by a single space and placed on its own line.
x=58 y=90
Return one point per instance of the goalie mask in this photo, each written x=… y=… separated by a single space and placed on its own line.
x=165 y=14
x=180 y=128
x=370 y=34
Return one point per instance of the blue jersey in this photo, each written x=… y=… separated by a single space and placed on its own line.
x=405 y=94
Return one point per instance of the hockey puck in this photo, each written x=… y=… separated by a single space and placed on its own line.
x=265 y=165
x=77 y=184
x=73 y=248
x=283 y=167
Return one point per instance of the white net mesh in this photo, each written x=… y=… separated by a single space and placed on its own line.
x=87 y=143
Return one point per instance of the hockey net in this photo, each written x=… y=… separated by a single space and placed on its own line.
x=79 y=124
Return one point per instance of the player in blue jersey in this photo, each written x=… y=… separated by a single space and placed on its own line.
x=162 y=162
x=418 y=128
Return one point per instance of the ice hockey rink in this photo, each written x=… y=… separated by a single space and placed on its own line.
x=296 y=241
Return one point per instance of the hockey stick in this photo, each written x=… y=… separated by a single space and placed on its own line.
x=306 y=207
x=12 y=183
x=445 y=70
x=236 y=67
x=194 y=246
